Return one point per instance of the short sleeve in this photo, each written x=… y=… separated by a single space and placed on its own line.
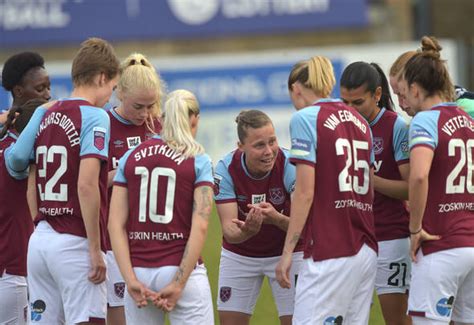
x=400 y=141
x=304 y=136
x=424 y=130
x=223 y=184
x=119 y=178
x=95 y=133
x=203 y=168
x=289 y=177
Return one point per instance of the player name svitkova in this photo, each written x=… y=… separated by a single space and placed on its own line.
x=160 y=149
x=340 y=204
x=334 y=120
x=65 y=123
x=148 y=235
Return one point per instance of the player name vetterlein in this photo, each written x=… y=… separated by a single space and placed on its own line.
x=344 y=116
x=65 y=123
x=457 y=122
x=146 y=235
x=159 y=149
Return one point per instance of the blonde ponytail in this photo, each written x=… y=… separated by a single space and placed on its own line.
x=176 y=129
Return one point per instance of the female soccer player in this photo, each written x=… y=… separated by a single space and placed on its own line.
x=440 y=190
x=365 y=87
x=331 y=146
x=65 y=262
x=16 y=223
x=253 y=185
x=160 y=209
x=25 y=77
x=135 y=120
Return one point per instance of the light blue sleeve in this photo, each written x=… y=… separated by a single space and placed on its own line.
x=400 y=140
x=22 y=150
x=203 y=168
x=120 y=174
x=304 y=134
x=95 y=132
x=372 y=153
x=289 y=177
x=424 y=129
x=13 y=173
x=223 y=184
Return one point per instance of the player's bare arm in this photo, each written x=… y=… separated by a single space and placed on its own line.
x=31 y=192
x=202 y=207
x=397 y=189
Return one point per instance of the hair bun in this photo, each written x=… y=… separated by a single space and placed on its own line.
x=430 y=47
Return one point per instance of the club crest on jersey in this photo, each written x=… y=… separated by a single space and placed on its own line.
x=217 y=182
x=99 y=138
x=133 y=142
x=277 y=195
x=378 y=145
x=258 y=198
x=119 y=289
x=225 y=293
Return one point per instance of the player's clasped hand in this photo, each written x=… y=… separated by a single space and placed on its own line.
x=252 y=223
x=140 y=293
x=267 y=210
x=98 y=269
x=169 y=296
x=283 y=271
x=417 y=239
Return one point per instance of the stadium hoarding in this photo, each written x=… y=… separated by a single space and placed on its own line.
x=46 y=22
x=227 y=83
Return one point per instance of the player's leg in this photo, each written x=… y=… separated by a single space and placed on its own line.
x=195 y=304
x=463 y=311
x=393 y=279
x=365 y=262
x=44 y=295
x=115 y=292
x=14 y=301
x=72 y=253
x=436 y=281
x=284 y=298
x=240 y=280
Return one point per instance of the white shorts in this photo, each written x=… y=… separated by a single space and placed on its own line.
x=393 y=266
x=241 y=277
x=115 y=283
x=13 y=299
x=194 y=306
x=336 y=291
x=442 y=286
x=58 y=269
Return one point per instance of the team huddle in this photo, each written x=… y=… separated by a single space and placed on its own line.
x=112 y=207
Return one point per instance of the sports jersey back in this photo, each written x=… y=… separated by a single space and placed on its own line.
x=124 y=135
x=247 y=190
x=161 y=185
x=15 y=219
x=449 y=212
x=70 y=131
x=336 y=140
x=390 y=138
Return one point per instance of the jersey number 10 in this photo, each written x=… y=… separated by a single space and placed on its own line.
x=151 y=182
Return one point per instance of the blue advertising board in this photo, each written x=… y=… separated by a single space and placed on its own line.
x=218 y=88
x=45 y=22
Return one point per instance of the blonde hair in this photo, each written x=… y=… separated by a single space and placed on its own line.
x=316 y=74
x=137 y=73
x=396 y=70
x=176 y=129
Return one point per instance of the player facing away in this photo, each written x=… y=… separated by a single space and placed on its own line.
x=16 y=223
x=331 y=146
x=365 y=87
x=160 y=209
x=24 y=76
x=253 y=187
x=65 y=262
x=135 y=120
x=441 y=194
